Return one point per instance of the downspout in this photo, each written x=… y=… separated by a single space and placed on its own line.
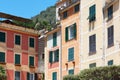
x=104 y=40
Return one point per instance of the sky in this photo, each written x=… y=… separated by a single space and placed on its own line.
x=25 y=8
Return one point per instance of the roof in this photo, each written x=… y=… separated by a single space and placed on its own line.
x=8 y=16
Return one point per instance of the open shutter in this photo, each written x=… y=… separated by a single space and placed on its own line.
x=50 y=56
x=75 y=30
x=66 y=34
x=92 y=13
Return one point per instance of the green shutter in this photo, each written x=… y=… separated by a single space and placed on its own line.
x=66 y=34
x=2 y=57
x=54 y=39
x=28 y=76
x=2 y=37
x=57 y=55
x=71 y=71
x=31 y=42
x=54 y=76
x=31 y=61
x=92 y=13
x=17 y=39
x=74 y=30
x=17 y=59
x=50 y=56
x=110 y=62
x=71 y=54
x=92 y=65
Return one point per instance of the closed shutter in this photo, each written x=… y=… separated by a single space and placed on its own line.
x=74 y=30
x=50 y=56
x=110 y=62
x=66 y=34
x=31 y=61
x=54 y=39
x=17 y=39
x=71 y=72
x=92 y=13
x=2 y=57
x=17 y=59
x=17 y=75
x=110 y=36
x=92 y=65
x=54 y=76
x=110 y=12
x=71 y=54
x=31 y=42
x=2 y=37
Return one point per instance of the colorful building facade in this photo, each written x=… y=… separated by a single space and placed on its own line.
x=18 y=50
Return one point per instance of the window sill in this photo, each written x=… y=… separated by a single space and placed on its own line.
x=109 y=18
x=2 y=62
x=17 y=64
x=71 y=39
x=110 y=45
x=32 y=66
x=92 y=53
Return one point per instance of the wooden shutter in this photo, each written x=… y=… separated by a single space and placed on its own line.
x=54 y=76
x=110 y=12
x=110 y=36
x=50 y=56
x=2 y=57
x=2 y=37
x=71 y=54
x=28 y=76
x=31 y=61
x=74 y=30
x=66 y=34
x=17 y=59
x=17 y=39
x=92 y=13
x=57 y=55
x=54 y=39
x=31 y=42
x=71 y=72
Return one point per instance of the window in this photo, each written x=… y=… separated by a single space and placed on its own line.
x=110 y=12
x=70 y=32
x=31 y=61
x=2 y=57
x=76 y=8
x=17 y=59
x=54 y=76
x=92 y=65
x=17 y=39
x=110 y=62
x=17 y=75
x=30 y=76
x=71 y=54
x=2 y=37
x=110 y=36
x=92 y=13
x=31 y=42
x=54 y=56
x=65 y=14
x=71 y=71
x=54 y=39
x=92 y=44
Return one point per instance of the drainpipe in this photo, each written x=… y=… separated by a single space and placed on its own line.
x=60 y=58
x=104 y=40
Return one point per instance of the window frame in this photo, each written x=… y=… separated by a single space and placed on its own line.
x=110 y=12
x=54 y=39
x=54 y=73
x=4 y=57
x=69 y=72
x=29 y=42
x=92 y=65
x=15 y=74
x=71 y=58
x=15 y=59
x=34 y=61
x=110 y=62
x=77 y=8
x=5 y=36
x=65 y=14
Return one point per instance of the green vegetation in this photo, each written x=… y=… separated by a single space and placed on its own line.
x=46 y=19
x=2 y=74
x=98 y=73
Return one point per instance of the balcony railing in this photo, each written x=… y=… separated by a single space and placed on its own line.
x=68 y=4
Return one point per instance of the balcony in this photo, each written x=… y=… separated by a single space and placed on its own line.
x=69 y=3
